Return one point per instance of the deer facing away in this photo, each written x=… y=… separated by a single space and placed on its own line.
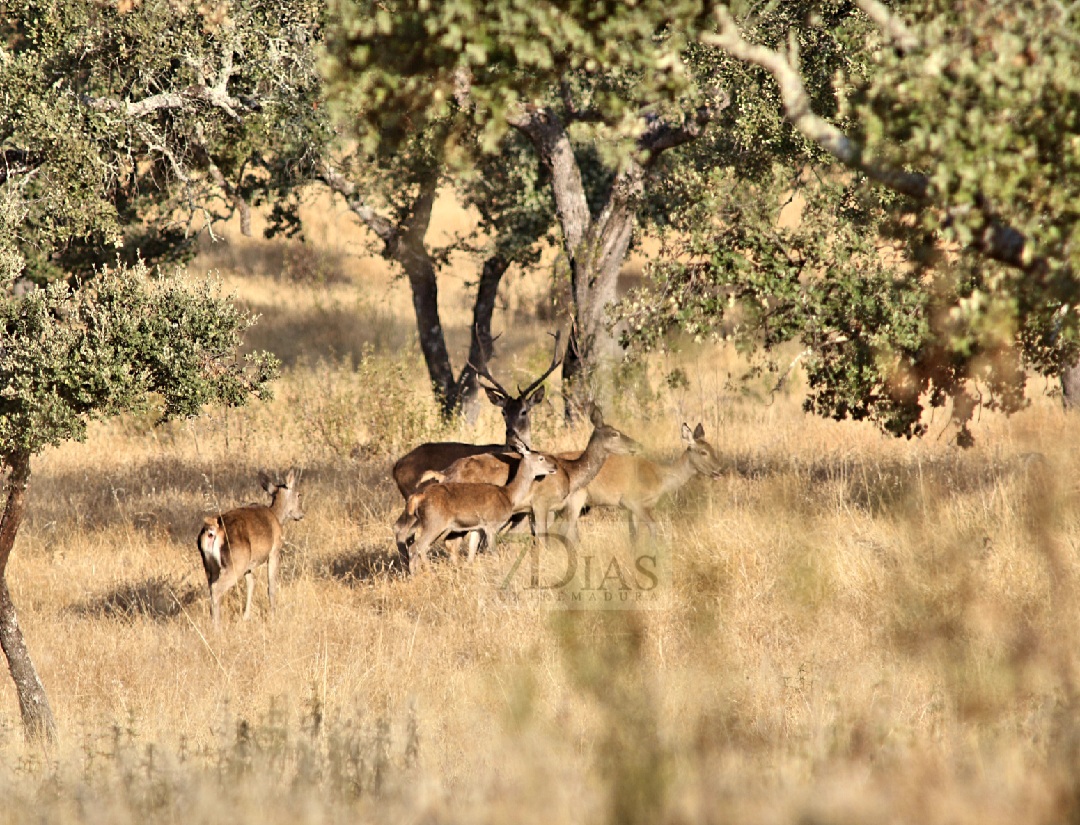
x=438 y=455
x=549 y=494
x=444 y=507
x=236 y=542
x=636 y=483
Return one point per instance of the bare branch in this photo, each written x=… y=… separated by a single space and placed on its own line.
x=660 y=135
x=383 y=227
x=893 y=27
x=996 y=241
x=216 y=97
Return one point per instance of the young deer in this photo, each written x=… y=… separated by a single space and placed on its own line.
x=233 y=544
x=441 y=508
x=636 y=484
x=549 y=494
x=438 y=455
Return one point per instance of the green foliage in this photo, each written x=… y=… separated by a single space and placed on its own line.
x=884 y=337
x=411 y=61
x=896 y=301
x=127 y=127
x=118 y=343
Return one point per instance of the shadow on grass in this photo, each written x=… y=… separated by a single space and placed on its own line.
x=363 y=565
x=160 y=598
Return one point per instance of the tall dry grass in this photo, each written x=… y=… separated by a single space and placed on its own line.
x=855 y=628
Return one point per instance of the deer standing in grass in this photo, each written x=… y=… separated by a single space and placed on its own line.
x=234 y=543
x=437 y=456
x=441 y=508
x=549 y=494
x=636 y=484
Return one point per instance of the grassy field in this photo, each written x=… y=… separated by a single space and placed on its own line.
x=854 y=629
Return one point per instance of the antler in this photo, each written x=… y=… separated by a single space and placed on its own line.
x=482 y=372
x=556 y=359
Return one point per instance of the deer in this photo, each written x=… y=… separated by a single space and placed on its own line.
x=572 y=472
x=636 y=483
x=438 y=455
x=443 y=507
x=235 y=543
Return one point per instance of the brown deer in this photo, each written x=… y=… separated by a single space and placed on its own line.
x=636 y=484
x=234 y=543
x=549 y=495
x=437 y=456
x=441 y=508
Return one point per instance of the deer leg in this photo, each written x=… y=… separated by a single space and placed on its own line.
x=474 y=543
x=249 y=581
x=541 y=522
x=215 y=605
x=419 y=552
x=272 y=564
x=572 y=513
x=489 y=539
x=403 y=529
x=218 y=588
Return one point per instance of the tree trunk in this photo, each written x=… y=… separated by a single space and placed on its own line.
x=480 y=344
x=411 y=252
x=1070 y=386
x=596 y=245
x=594 y=275
x=37 y=716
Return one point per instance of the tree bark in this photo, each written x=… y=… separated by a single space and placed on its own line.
x=405 y=243
x=411 y=252
x=1070 y=387
x=596 y=246
x=37 y=717
x=480 y=343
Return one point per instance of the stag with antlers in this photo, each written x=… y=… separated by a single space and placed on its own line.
x=438 y=455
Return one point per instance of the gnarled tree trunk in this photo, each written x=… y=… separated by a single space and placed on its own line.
x=404 y=243
x=597 y=244
x=37 y=717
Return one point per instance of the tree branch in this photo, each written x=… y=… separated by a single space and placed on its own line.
x=997 y=241
x=548 y=135
x=894 y=28
x=216 y=97
x=660 y=135
x=382 y=226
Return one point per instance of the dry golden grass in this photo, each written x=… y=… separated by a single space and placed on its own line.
x=856 y=628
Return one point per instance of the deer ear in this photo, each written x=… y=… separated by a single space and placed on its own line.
x=495 y=397
x=699 y=432
x=266 y=483
x=518 y=445
x=687 y=436
x=596 y=416
x=291 y=478
x=535 y=398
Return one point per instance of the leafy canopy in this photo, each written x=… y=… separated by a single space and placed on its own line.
x=951 y=290
x=118 y=343
x=126 y=128
x=404 y=64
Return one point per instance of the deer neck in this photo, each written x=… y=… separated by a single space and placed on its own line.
x=517 y=490
x=676 y=474
x=584 y=468
x=277 y=505
x=524 y=434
